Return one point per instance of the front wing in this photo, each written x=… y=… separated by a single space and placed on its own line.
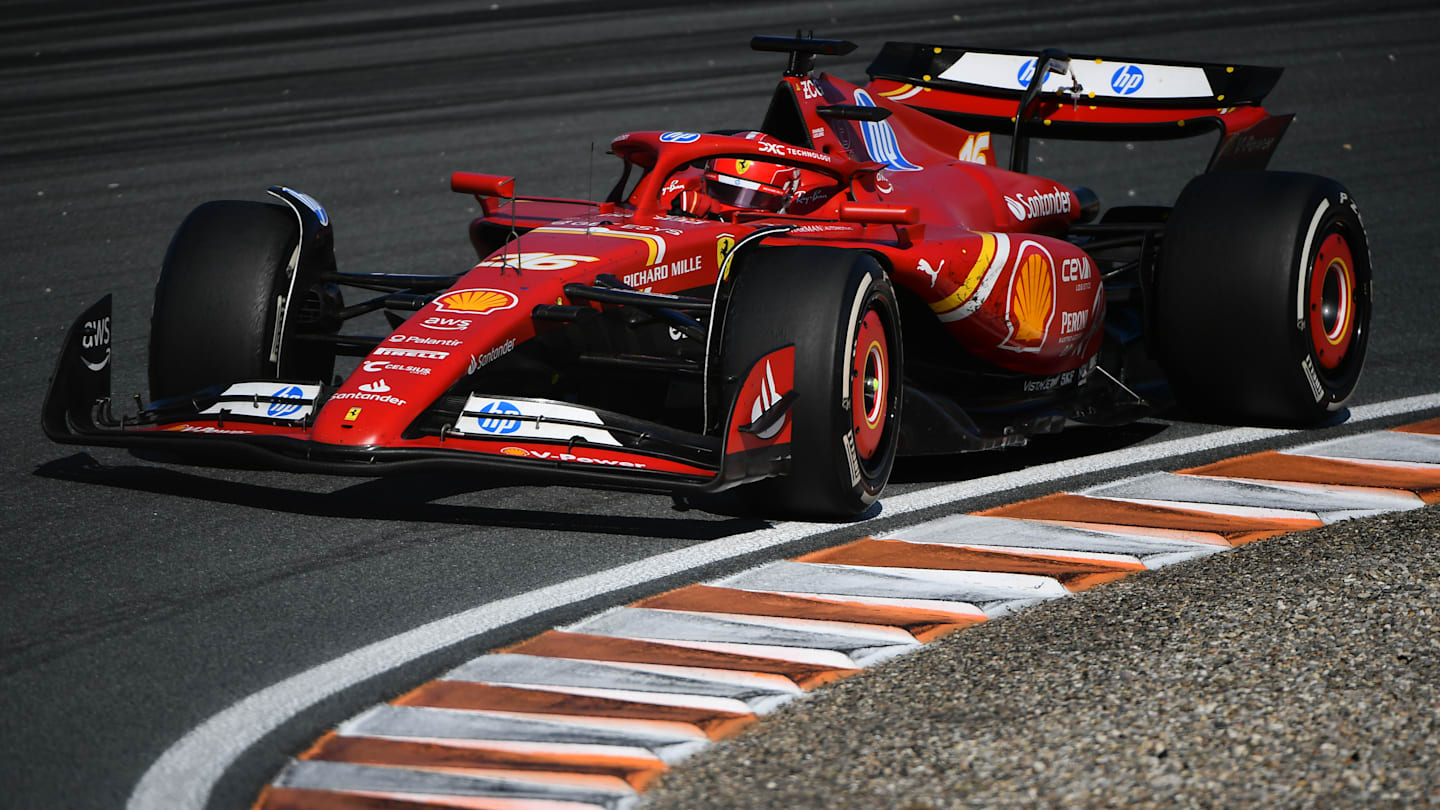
x=267 y=423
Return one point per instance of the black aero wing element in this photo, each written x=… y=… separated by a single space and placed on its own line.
x=82 y=376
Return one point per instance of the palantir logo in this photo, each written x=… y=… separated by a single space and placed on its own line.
x=498 y=424
x=286 y=401
x=1127 y=80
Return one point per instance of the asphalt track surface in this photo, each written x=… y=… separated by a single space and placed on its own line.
x=138 y=599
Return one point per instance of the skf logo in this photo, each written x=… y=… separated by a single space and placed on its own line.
x=476 y=301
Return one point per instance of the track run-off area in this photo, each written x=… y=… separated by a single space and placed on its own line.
x=830 y=614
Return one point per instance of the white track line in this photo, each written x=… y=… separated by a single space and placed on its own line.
x=184 y=776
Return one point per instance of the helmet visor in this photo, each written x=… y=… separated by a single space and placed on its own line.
x=742 y=193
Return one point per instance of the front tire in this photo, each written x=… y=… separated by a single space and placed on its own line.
x=1264 y=296
x=838 y=309
x=218 y=300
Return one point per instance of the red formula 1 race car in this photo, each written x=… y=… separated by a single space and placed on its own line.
x=781 y=311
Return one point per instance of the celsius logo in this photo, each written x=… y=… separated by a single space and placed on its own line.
x=498 y=424
x=377 y=387
x=680 y=137
x=1127 y=80
x=290 y=401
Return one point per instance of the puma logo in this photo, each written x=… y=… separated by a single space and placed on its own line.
x=932 y=272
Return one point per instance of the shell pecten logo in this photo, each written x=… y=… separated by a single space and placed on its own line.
x=477 y=301
x=1032 y=299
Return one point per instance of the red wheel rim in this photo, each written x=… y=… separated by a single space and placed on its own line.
x=869 y=384
x=1332 y=301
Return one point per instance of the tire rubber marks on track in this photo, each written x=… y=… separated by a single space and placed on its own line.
x=587 y=716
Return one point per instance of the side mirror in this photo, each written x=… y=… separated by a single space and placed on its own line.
x=482 y=185
x=879 y=213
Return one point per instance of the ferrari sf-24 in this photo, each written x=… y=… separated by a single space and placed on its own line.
x=773 y=313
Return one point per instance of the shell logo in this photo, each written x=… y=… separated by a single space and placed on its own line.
x=1032 y=299
x=514 y=451
x=479 y=301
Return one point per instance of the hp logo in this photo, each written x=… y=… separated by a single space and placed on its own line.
x=290 y=400
x=1027 y=71
x=497 y=423
x=1127 y=80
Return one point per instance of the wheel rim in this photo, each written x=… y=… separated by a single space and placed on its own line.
x=870 y=383
x=1332 y=304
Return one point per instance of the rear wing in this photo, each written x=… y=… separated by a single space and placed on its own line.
x=1084 y=97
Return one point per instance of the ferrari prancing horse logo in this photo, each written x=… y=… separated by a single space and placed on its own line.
x=723 y=245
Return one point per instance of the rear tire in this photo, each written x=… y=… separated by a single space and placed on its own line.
x=838 y=309
x=218 y=299
x=1264 y=297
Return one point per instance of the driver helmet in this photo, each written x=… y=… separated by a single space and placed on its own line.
x=751 y=184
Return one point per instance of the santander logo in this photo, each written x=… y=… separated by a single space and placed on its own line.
x=1039 y=204
x=377 y=387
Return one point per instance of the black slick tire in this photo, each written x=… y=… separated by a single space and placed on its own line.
x=838 y=309
x=1264 y=297
x=217 y=300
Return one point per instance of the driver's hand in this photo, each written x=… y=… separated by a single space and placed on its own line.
x=692 y=202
